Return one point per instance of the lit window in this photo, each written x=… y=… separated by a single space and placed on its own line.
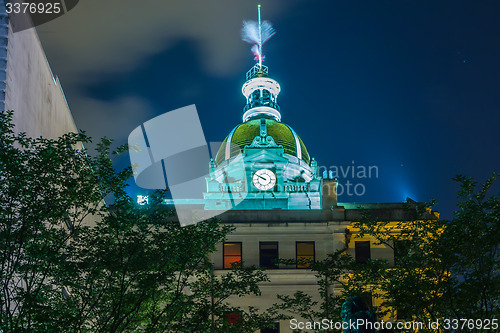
x=231 y=254
x=232 y=318
x=305 y=252
x=268 y=255
x=362 y=251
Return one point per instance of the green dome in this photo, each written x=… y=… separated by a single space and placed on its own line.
x=243 y=135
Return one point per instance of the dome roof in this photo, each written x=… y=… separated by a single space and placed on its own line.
x=244 y=134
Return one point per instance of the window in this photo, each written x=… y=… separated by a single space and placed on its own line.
x=232 y=318
x=69 y=223
x=368 y=299
x=305 y=252
x=256 y=95
x=362 y=251
x=401 y=250
x=268 y=254
x=231 y=253
x=275 y=329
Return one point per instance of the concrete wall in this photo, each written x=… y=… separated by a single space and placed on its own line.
x=328 y=236
x=28 y=87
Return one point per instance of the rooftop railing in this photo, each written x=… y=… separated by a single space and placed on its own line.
x=256 y=69
x=258 y=103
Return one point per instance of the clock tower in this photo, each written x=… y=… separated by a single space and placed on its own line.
x=262 y=163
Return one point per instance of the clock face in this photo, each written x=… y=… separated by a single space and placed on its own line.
x=264 y=179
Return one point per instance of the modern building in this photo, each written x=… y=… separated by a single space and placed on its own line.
x=28 y=86
x=288 y=210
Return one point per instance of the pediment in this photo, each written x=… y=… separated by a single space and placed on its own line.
x=263 y=155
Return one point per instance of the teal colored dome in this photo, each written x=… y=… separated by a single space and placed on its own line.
x=243 y=135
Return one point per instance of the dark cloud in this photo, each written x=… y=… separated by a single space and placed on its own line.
x=114 y=119
x=106 y=36
x=101 y=39
x=379 y=82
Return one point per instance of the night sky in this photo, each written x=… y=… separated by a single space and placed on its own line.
x=411 y=87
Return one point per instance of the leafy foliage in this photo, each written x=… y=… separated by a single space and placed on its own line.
x=471 y=245
x=71 y=263
x=442 y=269
x=333 y=272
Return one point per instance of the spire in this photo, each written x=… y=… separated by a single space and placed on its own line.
x=257 y=33
x=260 y=91
x=260 y=37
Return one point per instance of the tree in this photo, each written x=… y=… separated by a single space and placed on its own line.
x=412 y=287
x=444 y=271
x=71 y=263
x=340 y=279
x=471 y=247
x=332 y=271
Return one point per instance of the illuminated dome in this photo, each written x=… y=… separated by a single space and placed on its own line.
x=244 y=134
x=262 y=164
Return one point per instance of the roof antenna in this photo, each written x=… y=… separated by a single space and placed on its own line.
x=257 y=33
x=260 y=36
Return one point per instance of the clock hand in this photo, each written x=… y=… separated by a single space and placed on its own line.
x=261 y=177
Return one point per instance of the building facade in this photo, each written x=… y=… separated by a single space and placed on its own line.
x=267 y=186
x=28 y=86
